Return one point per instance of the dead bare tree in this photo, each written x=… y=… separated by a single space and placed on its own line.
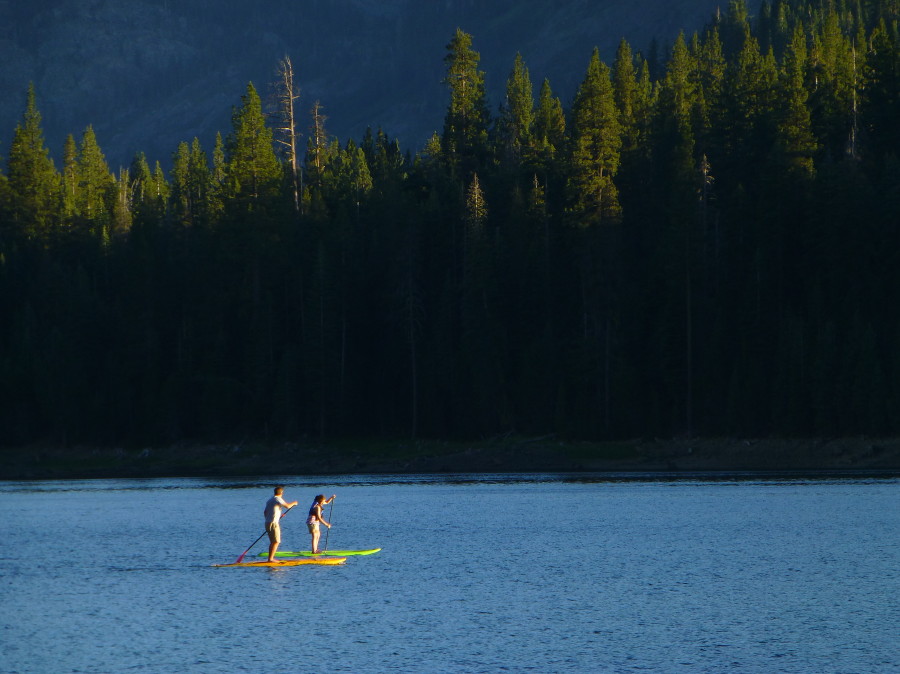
x=286 y=131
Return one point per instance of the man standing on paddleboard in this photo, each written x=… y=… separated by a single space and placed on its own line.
x=273 y=515
x=315 y=516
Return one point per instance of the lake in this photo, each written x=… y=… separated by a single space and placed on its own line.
x=477 y=573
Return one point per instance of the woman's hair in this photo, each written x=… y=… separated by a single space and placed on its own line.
x=320 y=498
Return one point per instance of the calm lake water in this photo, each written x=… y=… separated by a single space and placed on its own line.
x=477 y=574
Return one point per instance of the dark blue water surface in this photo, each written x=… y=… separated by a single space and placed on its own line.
x=532 y=573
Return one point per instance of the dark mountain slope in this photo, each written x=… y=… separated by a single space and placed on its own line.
x=148 y=74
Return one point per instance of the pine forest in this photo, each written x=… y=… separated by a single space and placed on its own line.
x=700 y=243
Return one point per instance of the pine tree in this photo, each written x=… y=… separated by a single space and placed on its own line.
x=710 y=81
x=748 y=112
x=636 y=142
x=834 y=85
x=517 y=114
x=180 y=181
x=70 y=177
x=465 y=137
x=432 y=154
x=5 y=205
x=385 y=160
x=881 y=104
x=679 y=93
x=474 y=240
x=625 y=88
x=480 y=353
x=549 y=128
x=797 y=143
x=347 y=176
x=33 y=180
x=199 y=183
x=254 y=172
x=734 y=27
x=673 y=148
x=95 y=186
x=217 y=178
x=596 y=142
x=191 y=185
x=123 y=204
x=361 y=176
x=148 y=208
x=476 y=214
x=160 y=189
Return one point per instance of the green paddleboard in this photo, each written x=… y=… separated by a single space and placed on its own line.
x=336 y=553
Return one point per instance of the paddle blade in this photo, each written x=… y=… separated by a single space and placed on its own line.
x=248 y=549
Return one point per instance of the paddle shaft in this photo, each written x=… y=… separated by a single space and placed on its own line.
x=330 y=522
x=239 y=559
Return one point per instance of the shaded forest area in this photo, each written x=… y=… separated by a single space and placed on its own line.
x=701 y=245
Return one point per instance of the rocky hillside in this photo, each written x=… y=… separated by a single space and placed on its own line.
x=148 y=74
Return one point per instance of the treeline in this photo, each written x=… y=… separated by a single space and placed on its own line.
x=703 y=244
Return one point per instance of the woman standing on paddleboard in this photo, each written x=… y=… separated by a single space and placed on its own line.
x=315 y=516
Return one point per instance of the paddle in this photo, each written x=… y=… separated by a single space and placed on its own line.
x=241 y=558
x=330 y=521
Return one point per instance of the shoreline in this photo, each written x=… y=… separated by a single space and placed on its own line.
x=509 y=454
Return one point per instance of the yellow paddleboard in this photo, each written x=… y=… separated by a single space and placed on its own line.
x=332 y=561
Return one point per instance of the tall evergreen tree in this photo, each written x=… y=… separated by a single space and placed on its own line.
x=254 y=172
x=625 y=88
x=70 y=176
x=95 y=186
x=476 y=215
x=798 y=145
x=347 y=176
x=465 y=137
x=517 y=114
x=386 y=162
x=834 y=84
x=5 y=199
x=481 y=349
x=33 y=180
x=549 y=132
x=881 y=104
x=217 y=179
x=734 y=26
x=199 y=180
x=679 y=92
x=675 y=176
x=710 y=81
x=748 y=117
x=596 y=142
x=123 y=204
x=148 y=201
x=191 y=185
x=181 y=187
x=161 y=190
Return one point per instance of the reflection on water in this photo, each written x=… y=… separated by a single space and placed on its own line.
x=477 y=574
